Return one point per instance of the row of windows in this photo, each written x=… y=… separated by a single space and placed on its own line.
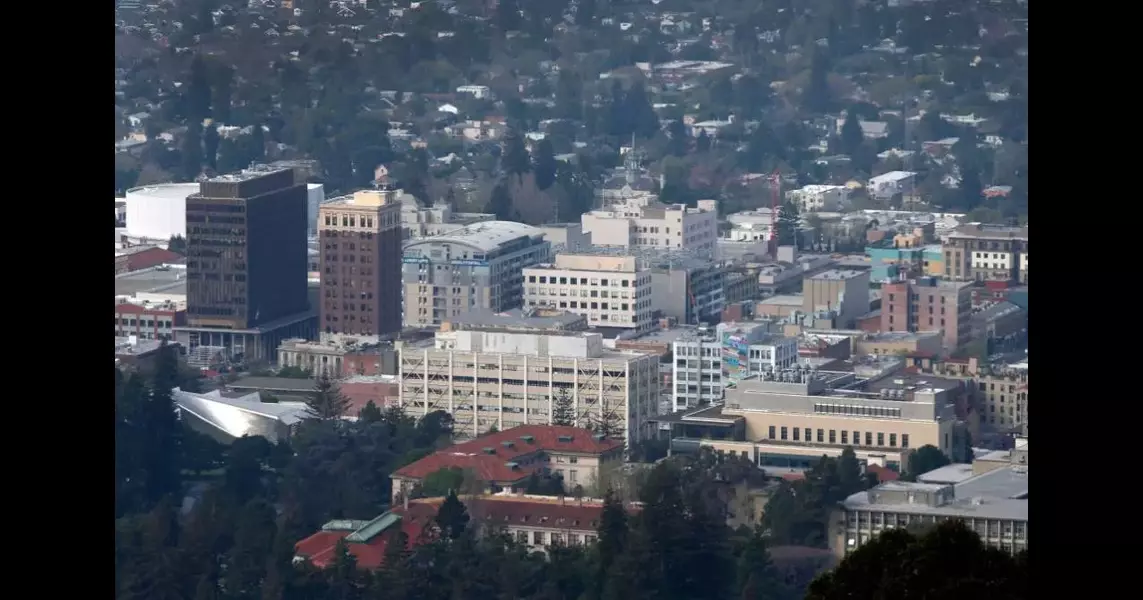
x=540 y=538
x=860 y=411
x=985 y=528
x=799 y=434
x=162 y=323
x=585 y=281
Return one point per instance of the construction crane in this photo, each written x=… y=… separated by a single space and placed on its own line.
x=775 y=205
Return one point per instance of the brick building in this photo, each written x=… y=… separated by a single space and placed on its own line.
x=505 y=459
x=360 y=238
x=360 y=390
x=148 y=320
x=926 y=304
x=534 y=521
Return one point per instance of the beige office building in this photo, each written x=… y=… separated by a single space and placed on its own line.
x=644 y=222
x=792 y=419
x=611 y=291
x=844 y=291
x=476 y=267
x=499 y=377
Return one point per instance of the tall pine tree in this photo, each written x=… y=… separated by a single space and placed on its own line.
x=327 y=402
x=563 y=409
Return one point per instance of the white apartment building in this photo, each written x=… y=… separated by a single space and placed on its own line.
x=707 y=362
x=610 y=291
x=643 y=222
x=750 y=225
x=890 y=184
x=478 y=266
x=426 y=221
x=819 y=198
x=497 y=377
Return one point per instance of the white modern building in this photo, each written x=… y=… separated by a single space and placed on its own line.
x=315 y=196
x=819 y=198
x=426 y=221
x=158 y=212
x=501 y=377
x=890 y=184
x=478 y=266
x=611 y=291
x=706 y=362
x=644 y=222
x=750 y=225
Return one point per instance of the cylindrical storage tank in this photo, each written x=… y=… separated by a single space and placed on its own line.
x=159 y=211
x=315 y=195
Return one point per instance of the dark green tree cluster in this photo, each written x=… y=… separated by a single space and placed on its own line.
x=237 y=539
x=948 y=561
x=798 y=512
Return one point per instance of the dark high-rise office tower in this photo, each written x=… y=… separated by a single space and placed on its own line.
x=361 y=263
x=246 y=250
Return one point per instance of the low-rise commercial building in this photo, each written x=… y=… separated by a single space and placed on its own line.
x=992 y=500
x=791 y=419
x=337 y=356
x=148 y=320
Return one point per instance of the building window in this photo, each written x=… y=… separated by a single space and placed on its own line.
x=783 y=433
x=773 y=432
x=538 y=538
x=904 y=440
x=892 y=441
x=832 y=436
x=880 y=440
x=522 y=537
x=821 y=435
x=797 y=434
x=868 y=438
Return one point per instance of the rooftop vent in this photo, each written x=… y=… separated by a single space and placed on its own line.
x=508 y=444
x=527 y=438
x=489 y=450
x=599 y=437
x=565 y=438
x=512 y=465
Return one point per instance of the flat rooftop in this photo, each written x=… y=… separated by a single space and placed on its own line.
x=485 y=236
x=991 y=232
x=670 y=336
x=948 y=474
x=247 y=174
x=997 y=494
x=783 y=300
x=518 y=318
x=156 y=279
x=839 y=274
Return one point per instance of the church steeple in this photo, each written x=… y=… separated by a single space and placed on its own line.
x=631 y=164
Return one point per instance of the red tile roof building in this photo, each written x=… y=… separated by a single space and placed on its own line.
x=535 y=521
x=505 y=459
